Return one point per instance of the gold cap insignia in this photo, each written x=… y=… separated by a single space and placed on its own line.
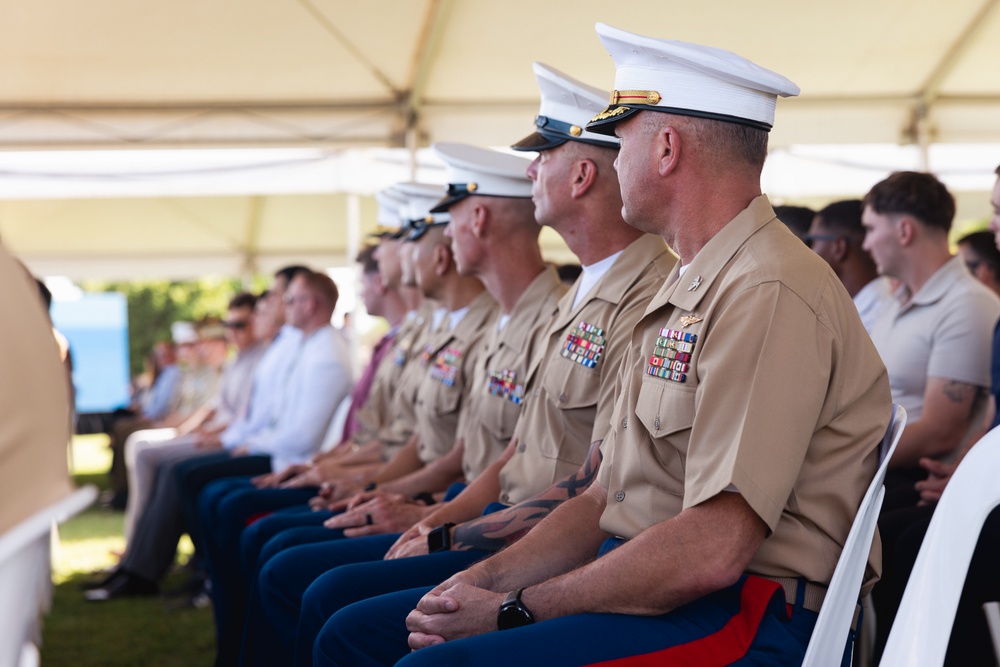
x=575 y=130
x=635 y=97
x=429 y=218
x=471 y=187
x=609 y=113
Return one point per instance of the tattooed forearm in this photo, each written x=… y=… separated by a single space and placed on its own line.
x=495 y=531
x=582 y=478
x=490 y=533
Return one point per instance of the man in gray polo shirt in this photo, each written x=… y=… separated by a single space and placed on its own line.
x=935 y=337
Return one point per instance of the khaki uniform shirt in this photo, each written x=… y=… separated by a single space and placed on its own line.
x=396 y=383
x=34 y=402
x=750 y=373
x=491 y=411
x=571 y=392
x=373 y=414
x=452 y=356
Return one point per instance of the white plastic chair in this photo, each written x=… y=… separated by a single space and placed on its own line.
x=829 y=637
x=25 y=577
x=922 y=628
x=336 y=428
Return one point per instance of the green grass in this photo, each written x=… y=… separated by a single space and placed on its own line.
x=135 y=632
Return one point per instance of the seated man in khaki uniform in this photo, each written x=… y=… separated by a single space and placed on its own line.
x=744 y=435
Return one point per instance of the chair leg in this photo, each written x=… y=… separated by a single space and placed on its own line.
x=864 y=647
x=992 y=610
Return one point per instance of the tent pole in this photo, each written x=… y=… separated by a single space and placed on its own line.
x=411 y=146
x=251 y=246
x=923 y=130
x=353 y=246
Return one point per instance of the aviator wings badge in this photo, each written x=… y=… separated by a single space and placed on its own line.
x=688 y=320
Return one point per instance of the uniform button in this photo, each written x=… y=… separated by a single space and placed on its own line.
x=625 y=422
x=620 y=496
x=562 y=398
x=656 y=423
x=521 y=447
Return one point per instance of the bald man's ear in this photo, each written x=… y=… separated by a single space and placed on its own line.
x=584 y=175
x=480 y=215
x=442 y=259
x=667 y=142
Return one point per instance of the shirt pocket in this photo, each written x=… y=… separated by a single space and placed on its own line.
x=447 y=400
x=571 y=387
x=498 y=416
x=666 y=411
x=574 y=385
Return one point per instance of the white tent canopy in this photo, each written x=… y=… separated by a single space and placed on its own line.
x=332 y=72
x=314 y=81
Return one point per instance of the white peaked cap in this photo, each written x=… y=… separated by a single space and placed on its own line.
x=687 y=79
x=566 y=108
x=416 y=210
x=420 y=198
x=389 y=201
x=481 y=172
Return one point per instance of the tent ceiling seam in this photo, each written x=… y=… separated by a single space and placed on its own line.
x=351 y=48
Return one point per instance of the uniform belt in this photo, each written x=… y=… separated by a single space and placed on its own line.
x=813 y=595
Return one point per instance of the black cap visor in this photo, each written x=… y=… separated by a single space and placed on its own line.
x=419 y=227
x=551 y=133
x=456 y=193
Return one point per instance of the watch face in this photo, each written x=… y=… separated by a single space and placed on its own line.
x=437 y=539
x=513 y=613
x=513 y=616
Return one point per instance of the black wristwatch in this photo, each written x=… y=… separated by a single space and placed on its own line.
x=513 y=613
x=439 y=539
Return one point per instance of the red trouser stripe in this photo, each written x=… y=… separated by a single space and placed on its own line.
x=723 y=647
x=254 y=518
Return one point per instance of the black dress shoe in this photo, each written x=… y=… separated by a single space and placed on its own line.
x=101 y=583
x=122 y=585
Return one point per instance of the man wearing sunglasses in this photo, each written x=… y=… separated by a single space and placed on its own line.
x=835 y=235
